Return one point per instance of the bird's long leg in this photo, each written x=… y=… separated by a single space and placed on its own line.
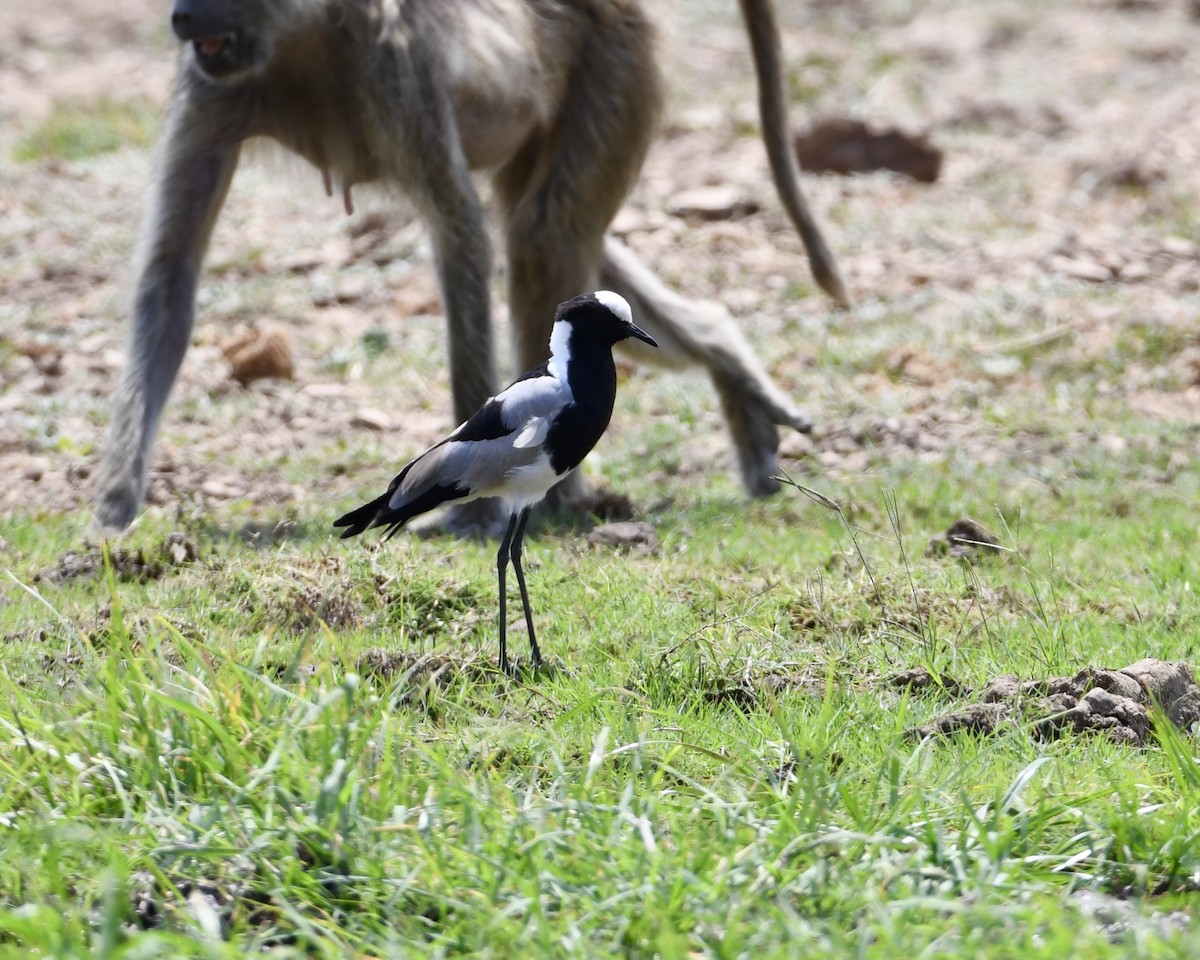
x=501 y=570
x=515 y=553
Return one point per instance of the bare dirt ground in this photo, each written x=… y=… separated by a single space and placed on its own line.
x=1053 y=269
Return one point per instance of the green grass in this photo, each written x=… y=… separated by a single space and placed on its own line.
x=246 y=738
x=247 y=755
x=76 y=131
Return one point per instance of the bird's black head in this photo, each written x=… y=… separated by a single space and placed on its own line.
x=602 y=316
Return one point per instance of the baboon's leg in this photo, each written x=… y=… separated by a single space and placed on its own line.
x=195 y=165
x=699 y=332
x=427 y=157
x=561 y=192
x=563 y=189
x=463 y=259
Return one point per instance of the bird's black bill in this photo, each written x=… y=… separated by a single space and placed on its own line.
x=639 y=333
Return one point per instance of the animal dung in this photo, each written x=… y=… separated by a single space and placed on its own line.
x=840 y=145
x=259 y=354
x=1120 y=704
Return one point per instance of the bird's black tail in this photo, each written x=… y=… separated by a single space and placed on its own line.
x=378 y=513
x=364 y=518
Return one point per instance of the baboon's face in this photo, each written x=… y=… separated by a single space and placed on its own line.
x=228 y=38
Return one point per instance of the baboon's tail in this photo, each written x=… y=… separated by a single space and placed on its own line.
x=772 y=107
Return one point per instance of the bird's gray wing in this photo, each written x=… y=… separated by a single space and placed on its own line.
x=537 y=394
x=502 y=436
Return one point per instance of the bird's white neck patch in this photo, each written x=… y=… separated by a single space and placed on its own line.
x=616 y=303
x=560 y=349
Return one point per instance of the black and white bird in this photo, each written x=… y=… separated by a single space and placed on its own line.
x=520 y=442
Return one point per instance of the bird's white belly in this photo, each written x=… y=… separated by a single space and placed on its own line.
x=526 y=485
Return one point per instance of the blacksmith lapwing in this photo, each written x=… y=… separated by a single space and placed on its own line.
x=520 y=442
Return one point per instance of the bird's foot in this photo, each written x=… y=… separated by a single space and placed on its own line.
x=517 y=669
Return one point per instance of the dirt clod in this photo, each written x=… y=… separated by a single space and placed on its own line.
x=965 y=539
x=841 y=145
x=638 y=537
x=976 y=718
x=603 y=503
x=922 y=680
x=1116 y=703
x=138 y=565
x=420 y=674
x=259 y=354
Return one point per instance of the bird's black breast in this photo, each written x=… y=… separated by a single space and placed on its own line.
x=573 y=434
x=575 y=430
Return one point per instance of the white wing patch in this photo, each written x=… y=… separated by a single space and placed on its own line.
x=533 y=434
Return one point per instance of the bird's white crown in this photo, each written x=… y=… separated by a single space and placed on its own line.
x=616 y=303
x=560 y=333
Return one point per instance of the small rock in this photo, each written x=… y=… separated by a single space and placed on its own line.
x=796 y=446
x=1113 y=444
x=629 y=220
x=1179 y=246
x=1080 y=269
x=712 y=203
x=640 y=538
x=914 y=364
x=1000 y=366
x=220 y=490
x=1183 y=277
x=369 y=418
x=179 y=549
x=351 y=289
x=1135 y=271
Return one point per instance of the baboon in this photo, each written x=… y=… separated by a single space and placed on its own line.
x=557 y=99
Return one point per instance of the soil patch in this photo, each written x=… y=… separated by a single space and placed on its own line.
x=138 y=565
